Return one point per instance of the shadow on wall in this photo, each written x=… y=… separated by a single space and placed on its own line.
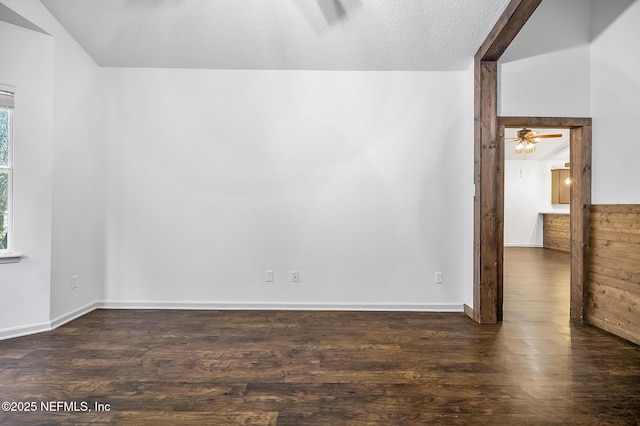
x=11 y=17
x=562 y=24
x=607 y=11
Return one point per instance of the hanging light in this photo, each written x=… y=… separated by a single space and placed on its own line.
x=527 y=140
x=529 y=148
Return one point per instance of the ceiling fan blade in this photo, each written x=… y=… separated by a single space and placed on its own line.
x=554 y=135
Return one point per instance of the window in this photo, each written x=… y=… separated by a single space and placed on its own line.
x=6 y=167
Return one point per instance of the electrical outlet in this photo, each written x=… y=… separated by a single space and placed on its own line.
x=438 y=278
x=295 y=277
x=75 y=280
x=268 y=276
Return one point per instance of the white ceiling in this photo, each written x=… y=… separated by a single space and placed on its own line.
x=556 y=149
x=280 y=34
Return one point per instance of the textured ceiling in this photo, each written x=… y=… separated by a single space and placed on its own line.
x=280 y=34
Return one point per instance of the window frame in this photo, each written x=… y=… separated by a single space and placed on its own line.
x=8 y=251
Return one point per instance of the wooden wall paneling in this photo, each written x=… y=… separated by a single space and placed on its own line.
x=556 y=232
x=613 y=291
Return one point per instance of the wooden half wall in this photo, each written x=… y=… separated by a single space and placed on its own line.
x=613 y=283
x=556 y=232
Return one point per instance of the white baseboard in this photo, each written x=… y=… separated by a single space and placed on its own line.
x=284 y=306
x=76 y=313
x=24 y=330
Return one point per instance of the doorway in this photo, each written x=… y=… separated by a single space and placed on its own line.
x=580 y=203
x=488 y=249
x=536 y=224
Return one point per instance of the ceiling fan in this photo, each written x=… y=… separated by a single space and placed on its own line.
x=527 y=140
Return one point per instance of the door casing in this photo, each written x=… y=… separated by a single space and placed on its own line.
x=488 y=235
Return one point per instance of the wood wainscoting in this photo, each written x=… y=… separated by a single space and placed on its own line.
x=613 y=287
x=556 y=233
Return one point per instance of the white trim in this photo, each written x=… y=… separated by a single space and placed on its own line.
x=523 y=245
x=76 y=313
x=285 y=306
x=7 y=94
x=24 y=330
x=8 y=88
x=7 y=257
x=8 y=170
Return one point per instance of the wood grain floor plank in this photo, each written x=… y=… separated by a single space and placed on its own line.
x=297 y=368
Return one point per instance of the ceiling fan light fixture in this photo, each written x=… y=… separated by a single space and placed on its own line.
x=529 y=148
x=527 y=140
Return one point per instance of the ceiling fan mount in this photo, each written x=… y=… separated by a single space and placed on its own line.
x=524 y=133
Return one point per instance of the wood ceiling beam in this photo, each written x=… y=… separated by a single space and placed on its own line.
x=509 y=24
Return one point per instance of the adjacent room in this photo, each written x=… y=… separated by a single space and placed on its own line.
x=276 y=212
x=536 y=220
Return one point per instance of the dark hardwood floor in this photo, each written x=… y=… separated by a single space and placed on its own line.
x=296 y=368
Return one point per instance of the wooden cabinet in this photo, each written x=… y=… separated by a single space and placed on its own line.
x=560 y=186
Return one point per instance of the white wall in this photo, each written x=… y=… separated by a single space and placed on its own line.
x=527 y=192
x=555 y=68
x=27 y=64
x=615 y=88
x=70 y=226
x=78 y=179
x=354 y=179
x=545 y=71
x=467 y=170
x=348 y=177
